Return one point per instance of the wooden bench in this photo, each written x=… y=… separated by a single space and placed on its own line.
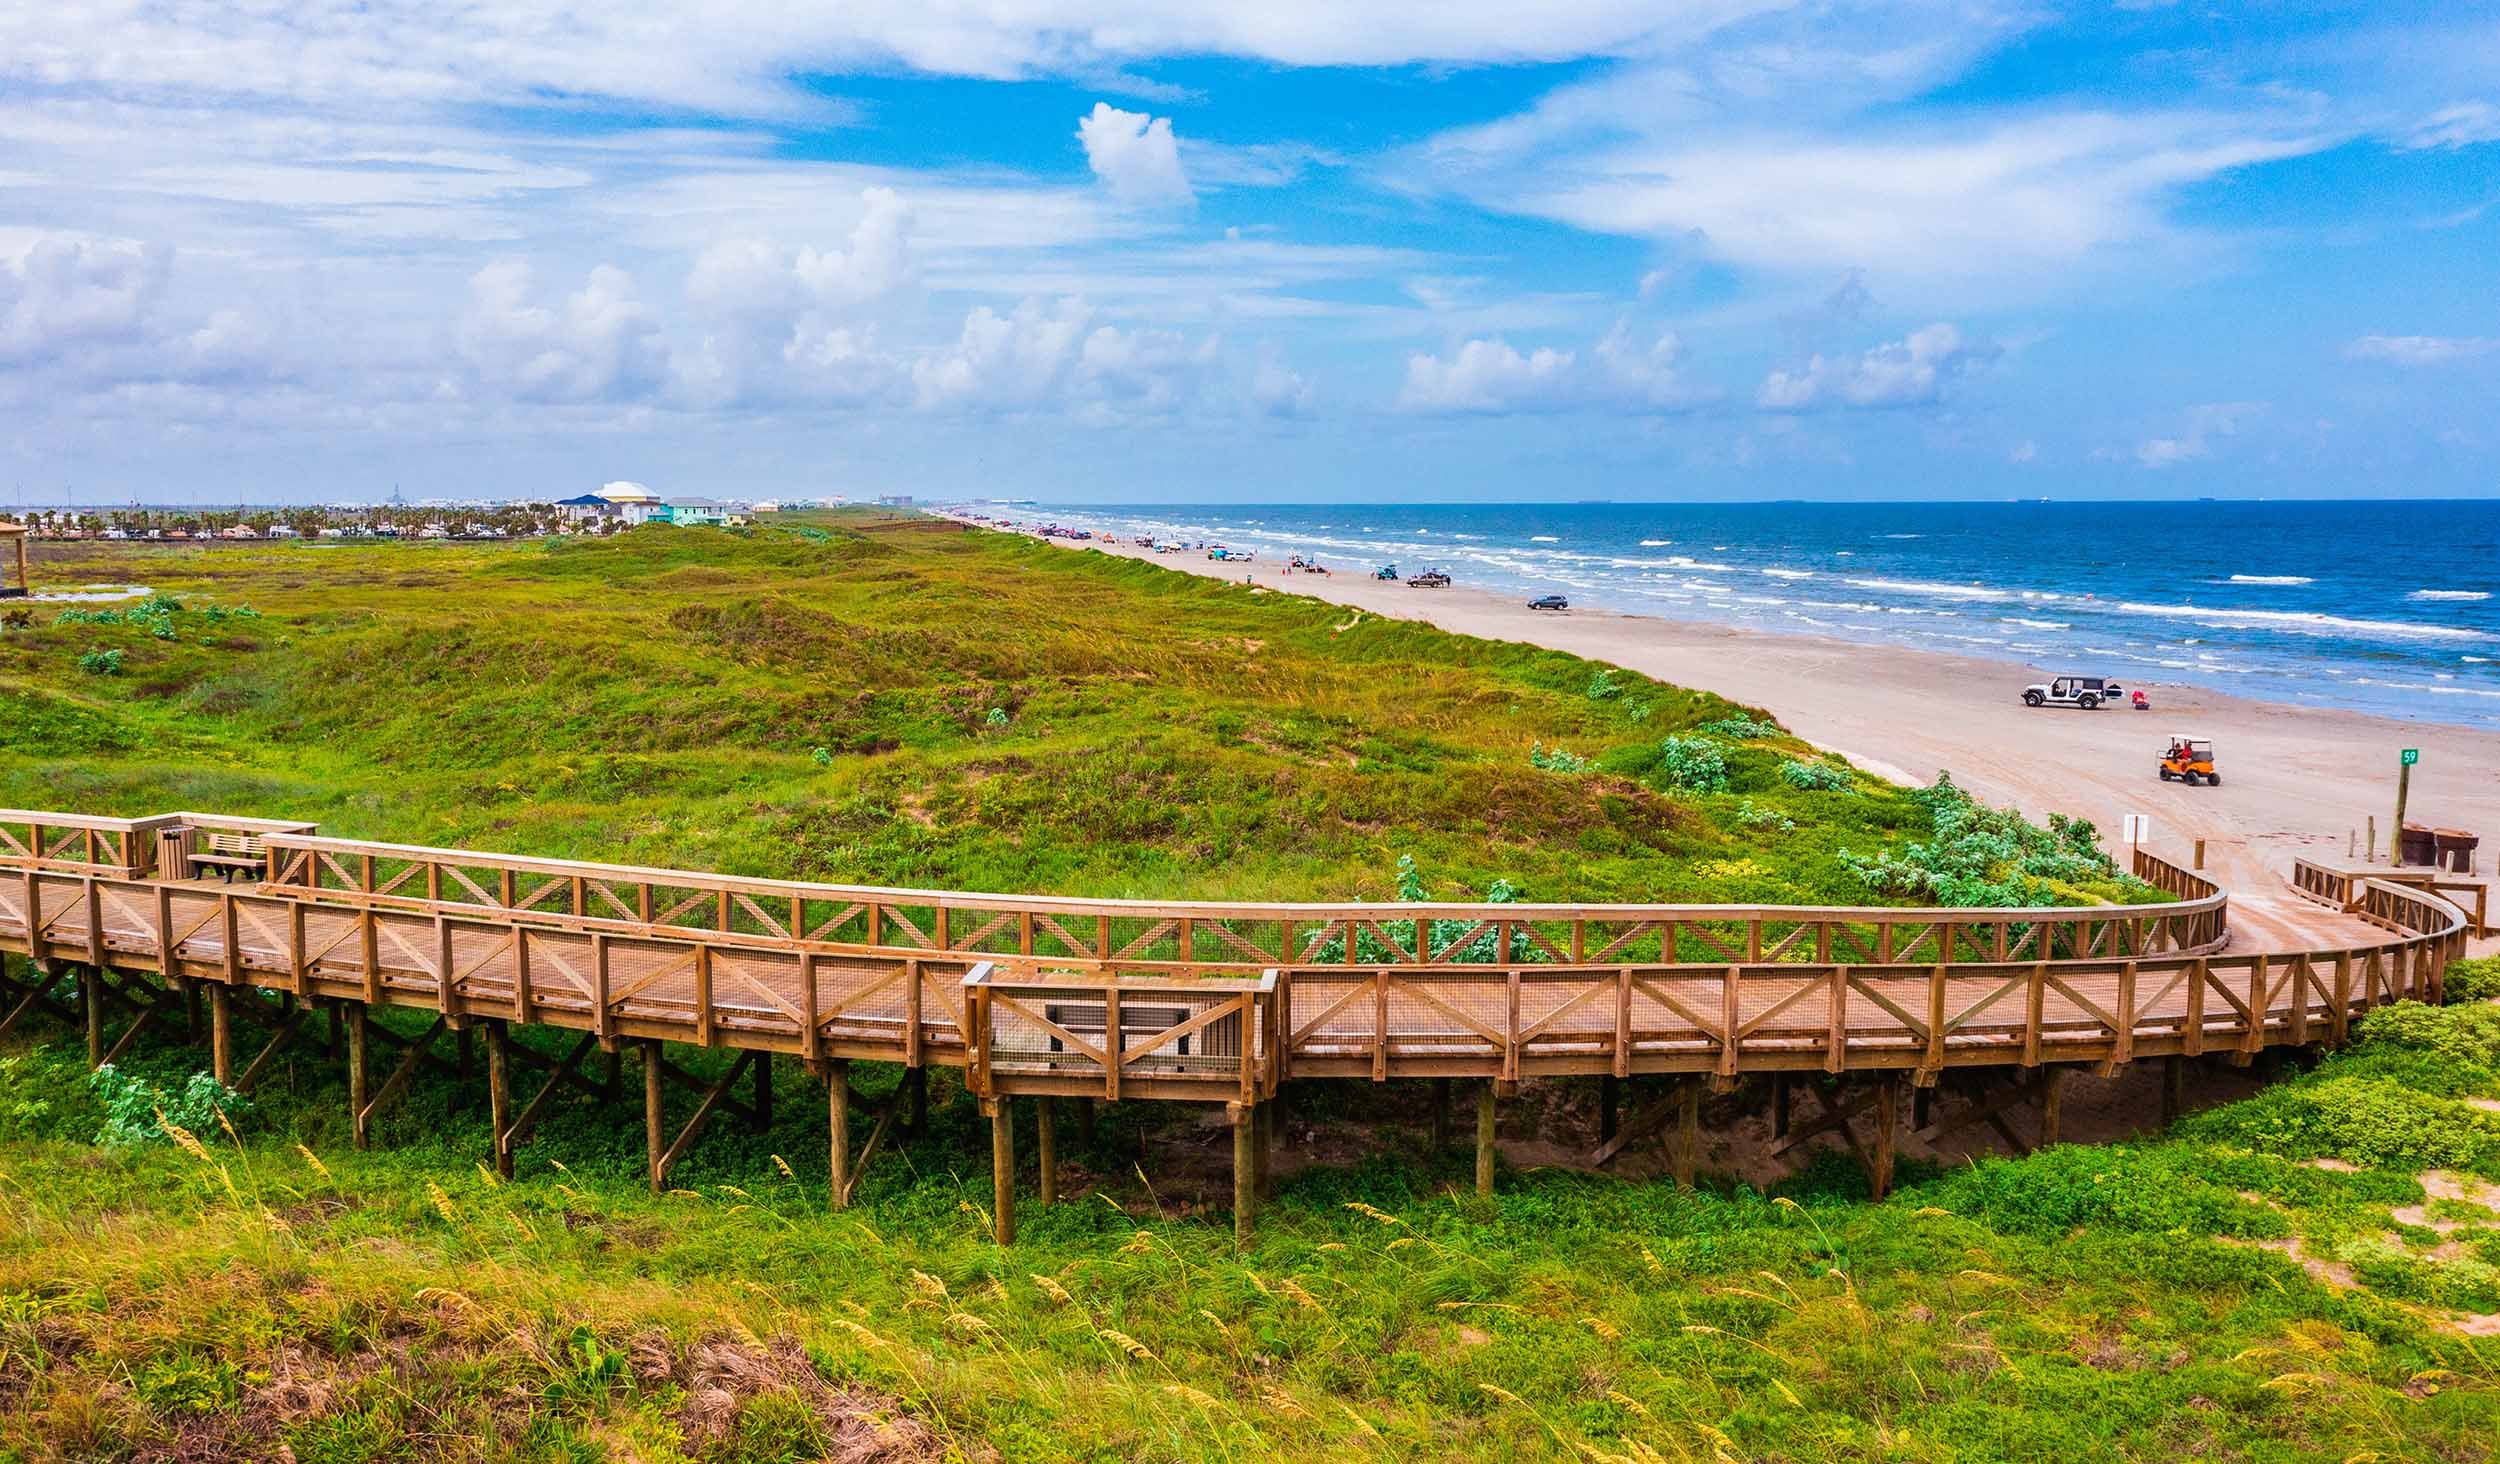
x=232 y=854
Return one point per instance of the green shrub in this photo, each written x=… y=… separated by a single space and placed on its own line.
x=1979 y=856
x=2468 y=1034
x=2474 y=980
x=1484 y=947
x=1556 y=760
x=1816 y=777
x=2141 y=1190
x=137 y=1111
x=101 y=663
x=2374 y=1121
x=1764 y=820
x=1740 y=728
x=1602 y=684
x=1692 y=765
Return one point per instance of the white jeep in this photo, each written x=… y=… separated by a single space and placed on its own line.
x=2087 y=692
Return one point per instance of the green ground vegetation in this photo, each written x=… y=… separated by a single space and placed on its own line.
x=186 y=1276
x=903 y=702
x=2275 y=1280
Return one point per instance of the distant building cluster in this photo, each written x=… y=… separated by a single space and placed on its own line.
x=615 y=507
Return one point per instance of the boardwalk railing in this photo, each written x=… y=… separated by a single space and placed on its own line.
x=1232 y=938
x=2346 y=889
x=377 y=933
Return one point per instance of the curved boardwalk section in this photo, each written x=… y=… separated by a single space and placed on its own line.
x=1107 y=999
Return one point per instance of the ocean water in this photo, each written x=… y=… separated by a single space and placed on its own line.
x=2391 y=608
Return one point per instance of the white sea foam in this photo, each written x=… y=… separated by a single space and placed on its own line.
x=1930 y=587
x=1789 y=574
x=2308 y=621
x=2449 y=595
x=1538 y=539
x=2270 y=579
x=1656 y=543
x=2036 y=624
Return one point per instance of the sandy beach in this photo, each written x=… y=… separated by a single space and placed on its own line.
x=2295 y=779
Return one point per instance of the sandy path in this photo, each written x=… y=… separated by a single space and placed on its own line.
x=2295 y=779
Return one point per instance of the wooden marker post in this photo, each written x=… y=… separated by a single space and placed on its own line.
x=2404 y=787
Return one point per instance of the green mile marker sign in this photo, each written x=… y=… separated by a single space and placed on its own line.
x=2412 y=755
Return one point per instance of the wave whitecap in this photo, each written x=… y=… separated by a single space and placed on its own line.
x=2307 y=620
x=2270 y=579
x=2449 y=595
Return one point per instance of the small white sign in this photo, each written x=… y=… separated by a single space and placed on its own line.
x=2136 y=828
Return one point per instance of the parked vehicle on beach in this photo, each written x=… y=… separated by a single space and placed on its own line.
x=1235 y=556
x=1549 y=602
x=2087 y=692
x=2188 y=759
x=1430 y=579
x=1385 y=572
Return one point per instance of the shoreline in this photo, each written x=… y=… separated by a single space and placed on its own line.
x=2296 y=779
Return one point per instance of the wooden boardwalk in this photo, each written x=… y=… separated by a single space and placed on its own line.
x=1216 y=1002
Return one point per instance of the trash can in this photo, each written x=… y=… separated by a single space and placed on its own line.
x=2455 y=849
x=2419 y=846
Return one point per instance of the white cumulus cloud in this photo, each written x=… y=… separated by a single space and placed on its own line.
x=1134 y=155
x=1625 y=371
x=1913 y=371
x=597 y=343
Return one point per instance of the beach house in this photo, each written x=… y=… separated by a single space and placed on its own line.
x=694 y=512
x=633 y=503
x=13 y=582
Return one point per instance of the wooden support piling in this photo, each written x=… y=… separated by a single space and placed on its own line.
x=358 y=1074
x=1245 y=1174
x=762 y=1119
x=838 y=1129
x=2173 y=1089
x=1687 y=1130
x=1003 y=1169
x=2051 y=1103
x=654 y=1107
x=221 y=1034
x=1046 y=1152
x=1484 y=1140
x=91 y=994
x=499 y=1096
x=1887 y=1132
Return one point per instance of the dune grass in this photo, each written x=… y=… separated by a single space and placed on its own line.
x=2278 y=1280
x=903 y=702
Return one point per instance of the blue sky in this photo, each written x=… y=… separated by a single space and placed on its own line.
x=1150 y=251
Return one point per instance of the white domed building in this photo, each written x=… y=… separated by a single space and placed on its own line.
x=633 y=502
